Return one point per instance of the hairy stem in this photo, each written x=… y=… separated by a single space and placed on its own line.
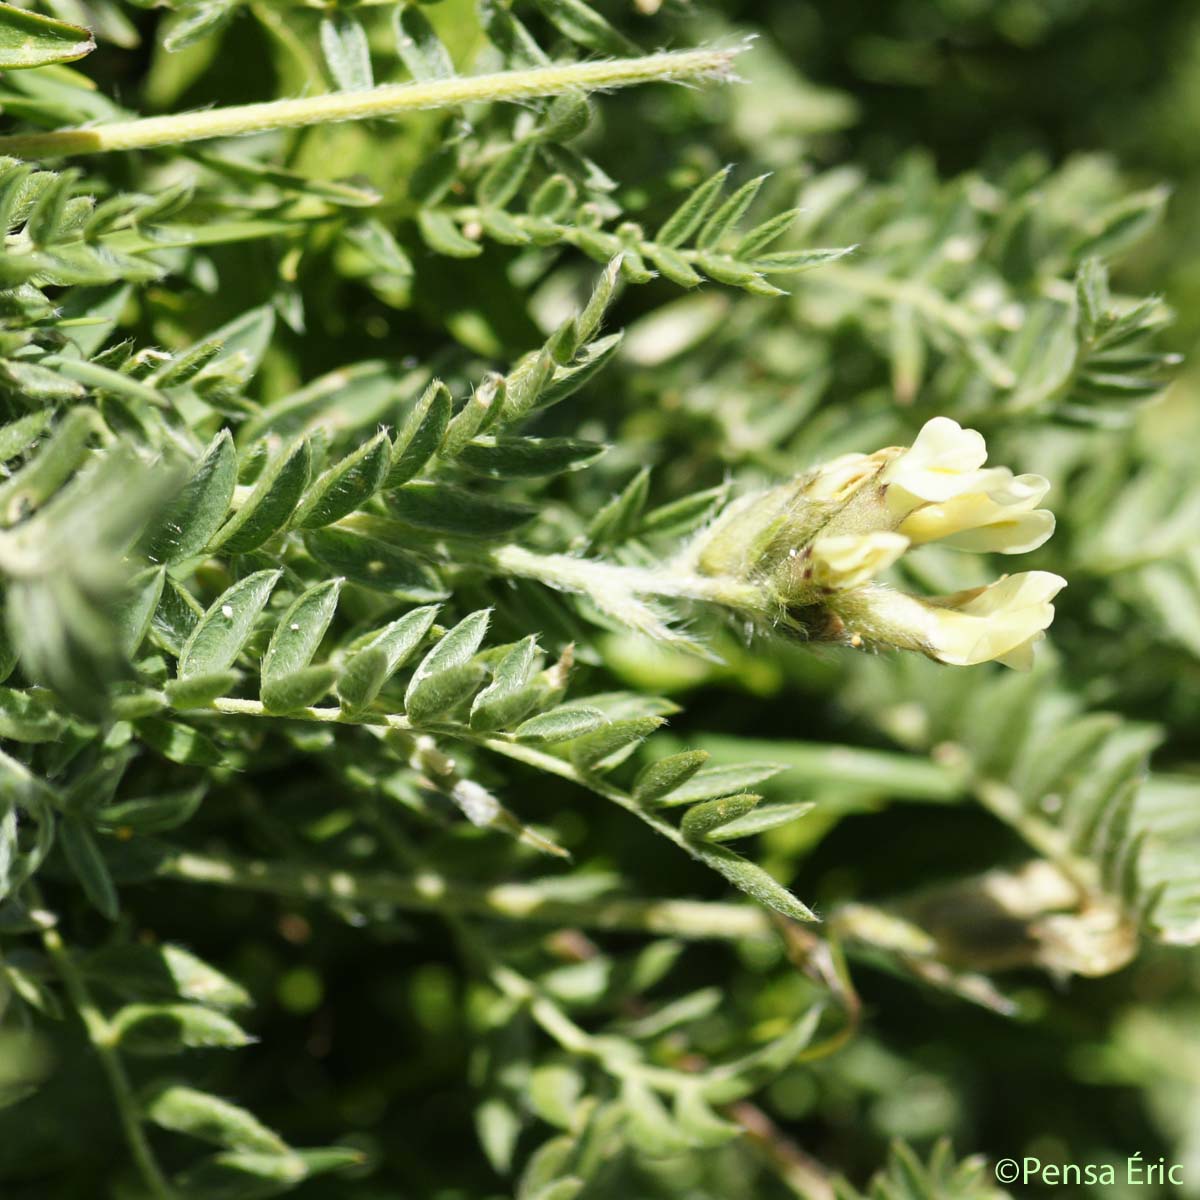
x=427 y=891
x=598 y=579
x=388 y=101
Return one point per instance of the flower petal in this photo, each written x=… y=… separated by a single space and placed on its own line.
x=943 y=461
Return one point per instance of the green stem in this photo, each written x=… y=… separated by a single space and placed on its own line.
x=388 y=101
x=427 y=891
x=100 y=1035
x=331 y=716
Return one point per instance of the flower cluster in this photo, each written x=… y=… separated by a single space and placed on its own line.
x=819 y=543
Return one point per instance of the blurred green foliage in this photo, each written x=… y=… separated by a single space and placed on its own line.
x=315 y=909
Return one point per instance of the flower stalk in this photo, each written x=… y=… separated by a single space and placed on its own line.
x=391 y=100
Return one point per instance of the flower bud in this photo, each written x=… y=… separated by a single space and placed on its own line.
x=851 y=560
x=1000 y=622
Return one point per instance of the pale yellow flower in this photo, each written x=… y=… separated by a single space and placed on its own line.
x=998 y=623
x=1001 y=622
x=1004 y=519
x=944 y=461
x=849 y=560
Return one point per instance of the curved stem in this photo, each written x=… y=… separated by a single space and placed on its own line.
x=388 y=101
x=100 y=1035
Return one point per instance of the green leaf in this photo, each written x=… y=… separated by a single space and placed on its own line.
x=163 y=972
x=299 y=631
x=553 y=198
x=568 y=380
x=161 y=1029
x=760 y=820
x=189 y=521
x=17 y=436
x=29 y=717
x=135 y=614
x=729 y=214
x=195 y=21
x=267 y=509
x=583 y=24
x=244 y=341
x=442 y=235
x=178 y=742
x=560 y=724
x=347 y=53
x=89 y=866
x=761 y=236
x=509 y=696
x=32 y=40
x=197 y=1114
x=674 y=266
x=199 y=691
x=548 y=1164
x=1122 y=225
x=361 y=679
x=750 y=878
x=483 y=407
x=378 y=245
x=612 y=744
x=554 y=1093
x=704 y=818
x=374 y=564
x=648 y=1123
x=53 y=465
x=299 y=689
x=444 y=508
x=419 y=47
x=618 y=519
x=700 y=1123
x=785 y=261
x=247 y=1175
x=658 y=780
x=446 y=674
x=240 y=1175
x=733 y=1080
x=686 y=219
x=370 y=667
x=723 y=269
x=724 y=780
x=503 y=179
x=32 y=990
x=497 y=1126
x=527 y=457
x=421 y=436
x=177 y=614
x=346 y=485
x=566 y=118
x=218 y=638
x=151 y=814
